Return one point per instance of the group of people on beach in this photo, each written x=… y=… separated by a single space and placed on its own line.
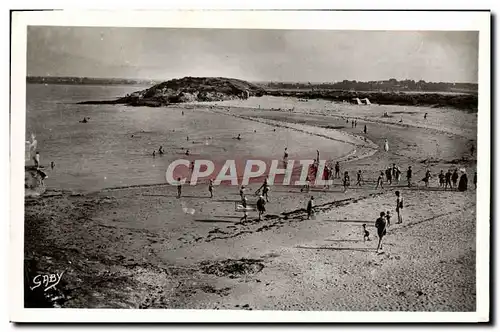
x=450 y=178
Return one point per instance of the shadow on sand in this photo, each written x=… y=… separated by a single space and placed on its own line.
x=215 y=221
x=339 y=249
x=367 y=222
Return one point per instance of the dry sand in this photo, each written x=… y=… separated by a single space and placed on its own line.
x=136 y=248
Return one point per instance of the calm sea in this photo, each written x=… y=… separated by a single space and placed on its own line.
x=114 y=148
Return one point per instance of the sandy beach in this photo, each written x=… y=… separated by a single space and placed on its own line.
x=139 y=240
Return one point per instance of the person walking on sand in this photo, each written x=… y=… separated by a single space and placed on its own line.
x=399 y=207
x=425 y=116
x=409 y=175
x=52 y=165
x=381 y=226
x=454 y=178
x=179 y=188
x=347 y=181
x=211 y=188
x=386 y=145
x=160 y=150
x=462 y=183
x=261 y=206
x=447 y=178
x=310 y=208
x=359 y=179
x=441 y=179
x=285 y=156
x=154 y=154
x=337 y=170
x=475 y=180
x=380 y=180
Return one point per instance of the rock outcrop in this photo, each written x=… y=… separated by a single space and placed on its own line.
x=189 y=89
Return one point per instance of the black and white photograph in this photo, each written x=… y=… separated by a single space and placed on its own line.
x=241 y=167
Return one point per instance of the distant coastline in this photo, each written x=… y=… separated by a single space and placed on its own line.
x=87 y=81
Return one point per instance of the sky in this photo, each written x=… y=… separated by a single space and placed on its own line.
x=254 y=55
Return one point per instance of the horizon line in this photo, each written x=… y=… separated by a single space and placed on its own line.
x=255 y=81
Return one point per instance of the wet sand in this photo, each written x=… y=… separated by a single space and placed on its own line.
x=136 y=248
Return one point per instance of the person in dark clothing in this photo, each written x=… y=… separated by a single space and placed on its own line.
x=179 y=188
x=399 y=207
x=364 y=130
x=154 y=154
x=52 y=165
x=160 y=150
x=447 y=180
x=211 y=188
x=381 y=226
x=427 y=177
x=425 y=116
x=475 y=180
x=359 y=178
x=462 y=184
x=337 y=170
x=441 y=179
x=347 y=181
x=261 y=206
x=388 y=175
x=454 y=178
x=408 y=175
x=310 y=208
x=245 y=213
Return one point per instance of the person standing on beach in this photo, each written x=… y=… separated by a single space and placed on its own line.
x=52 y=165
x=154 y=154
x=245 y=214
x=441 y=179
x=425 y=116
x=211 y=188
x=399 y=206
x=472 y=150
x=261 y=206
x=285 y=156
x=242 y=192
x=408 y=175
x=307 y=185
x=388 y=217
x=355 y=123
x=454 y=178
x=160 y=150
x=462 y=184
x=386 y=145
x=337 y=170
x=179 y=188
x=427 y=177
x=381 y=226
x=347 y=181
x=447 y=178
x=388 y=175
x=310 y=208
x=475 y=180
x=364 y=130
x=380 y=180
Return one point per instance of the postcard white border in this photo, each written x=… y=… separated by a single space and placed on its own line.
x=352 y=20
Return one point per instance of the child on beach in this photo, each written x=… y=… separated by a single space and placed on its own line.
x=359 y=178
x=381 y=226
x=310 y=208
x=388 y=217
x=399 y=207
x=380 y=180
x=36 y=160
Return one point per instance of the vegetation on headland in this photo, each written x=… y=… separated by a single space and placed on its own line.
x=188 y=89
